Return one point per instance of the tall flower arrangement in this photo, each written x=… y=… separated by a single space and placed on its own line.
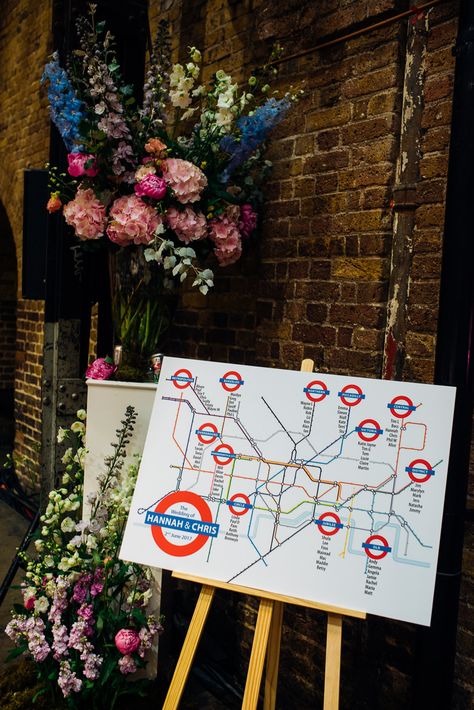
x=84 y=618
x=180 y=175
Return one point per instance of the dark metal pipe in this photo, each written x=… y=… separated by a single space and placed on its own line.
x=454 y=366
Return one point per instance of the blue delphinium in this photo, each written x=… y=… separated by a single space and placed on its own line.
x=65 y=107
x=254 y=130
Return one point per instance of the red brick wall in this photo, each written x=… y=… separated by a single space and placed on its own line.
x=24 y=143
x=317 y=286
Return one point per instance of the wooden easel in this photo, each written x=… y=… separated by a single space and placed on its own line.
x=266 y=642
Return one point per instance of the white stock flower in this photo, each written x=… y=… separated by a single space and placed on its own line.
x=81 y=414
x=68 y=455
x=192 y=70
x=180 y=99
x=78 y=427
x=187 y=114
x=62 y=434
x=41 y=605
x=147 y=596
x=177 y=73
x=68 y=525
x=224 y=118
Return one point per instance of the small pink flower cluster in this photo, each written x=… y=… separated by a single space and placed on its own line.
x=223 y=231
x=32 y=629
x=188 y=225
x=132 y=221
x=86 y=214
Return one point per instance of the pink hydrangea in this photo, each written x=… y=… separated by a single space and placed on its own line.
x=86 y=214
x=132 y=221
x=186 y=179
x=151 y=186
x=226 y=237
x=248 y=220
x=188 y=225
x=127 y=641
x=77 y=164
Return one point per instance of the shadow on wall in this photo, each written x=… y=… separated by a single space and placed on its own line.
x=8 y=301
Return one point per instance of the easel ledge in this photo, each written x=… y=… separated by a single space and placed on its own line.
x=262 y=594
x=266 y=642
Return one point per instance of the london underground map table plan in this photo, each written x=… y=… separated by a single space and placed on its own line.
x=317 y=486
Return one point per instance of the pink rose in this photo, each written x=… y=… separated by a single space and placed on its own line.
x=29 y=603
x=77 y=164
x=54 y=203
x=101 y=369
x=127 y=641
x=156 y=147
x=132 y=221
x=188 y=225
x=248 y=220
x=86 y=214
x=185 y=179
x=151 y=186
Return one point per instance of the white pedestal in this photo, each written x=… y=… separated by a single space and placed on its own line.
x=106 y=405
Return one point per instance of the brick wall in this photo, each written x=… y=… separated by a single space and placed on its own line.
x=24 y=143
x=318 y=285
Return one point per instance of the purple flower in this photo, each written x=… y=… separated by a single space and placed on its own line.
x=61 y=639
x=248 y=220
x=80 y=593
x=67 y=680
x=92 y=664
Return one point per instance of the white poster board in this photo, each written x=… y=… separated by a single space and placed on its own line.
x=322 y=487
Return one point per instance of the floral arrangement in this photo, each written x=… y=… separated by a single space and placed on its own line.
x=84 y=617
x=180 y=174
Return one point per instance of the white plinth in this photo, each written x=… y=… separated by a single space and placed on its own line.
x=106 y=405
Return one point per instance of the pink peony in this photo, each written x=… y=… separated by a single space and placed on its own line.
x=151 y=186
x=226 y=237
x=188 y=224
x=248 y=220
x=77 y=164
x=100 y=369
x=186 y=180
x=127 y=641
x=132 y=221
x=86 y=214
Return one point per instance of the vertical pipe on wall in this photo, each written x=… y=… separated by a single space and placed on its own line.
x=404 y=199
x=454 y=366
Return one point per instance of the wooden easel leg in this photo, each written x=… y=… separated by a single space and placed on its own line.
x=273 y=657
x=333 y=662
x=191 y=641
x=257 y=657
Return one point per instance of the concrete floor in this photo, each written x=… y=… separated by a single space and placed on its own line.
x=12 y=530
